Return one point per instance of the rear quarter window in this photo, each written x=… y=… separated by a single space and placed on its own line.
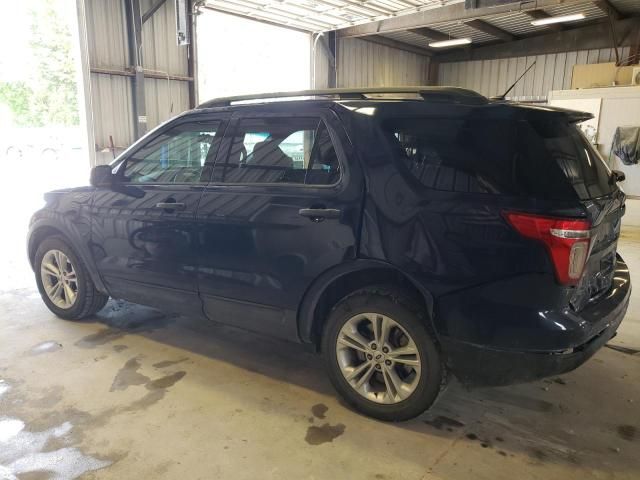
x=580 y=162
x=497 y=156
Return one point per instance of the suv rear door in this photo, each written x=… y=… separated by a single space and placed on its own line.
x=283 y=206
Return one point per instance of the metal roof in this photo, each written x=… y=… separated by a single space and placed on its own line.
x=323 y=15
x=516 y=23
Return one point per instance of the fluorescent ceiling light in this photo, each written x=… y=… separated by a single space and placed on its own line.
x=450 y=43
x=563 y=18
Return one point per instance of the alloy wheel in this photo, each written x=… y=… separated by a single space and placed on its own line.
x=378 y=358
x=59 y=279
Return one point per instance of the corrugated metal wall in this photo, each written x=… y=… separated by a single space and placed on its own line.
x=551 y=72
x=366 y=64
x=320 y=64
x=111 y=95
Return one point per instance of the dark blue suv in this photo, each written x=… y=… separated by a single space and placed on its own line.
x=404 y=233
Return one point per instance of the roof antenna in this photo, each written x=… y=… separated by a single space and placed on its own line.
x=502 y=97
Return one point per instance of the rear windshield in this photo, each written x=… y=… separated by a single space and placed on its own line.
x=532 y=154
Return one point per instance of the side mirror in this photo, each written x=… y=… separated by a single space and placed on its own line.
x=101 y=176
x=618 y=176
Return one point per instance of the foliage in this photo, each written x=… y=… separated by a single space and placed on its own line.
x=16 y=96
x=49 y=95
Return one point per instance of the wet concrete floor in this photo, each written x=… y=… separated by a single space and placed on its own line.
x=135 y=393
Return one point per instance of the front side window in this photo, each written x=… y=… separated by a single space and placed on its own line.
x=280 y=150
x=178 y=155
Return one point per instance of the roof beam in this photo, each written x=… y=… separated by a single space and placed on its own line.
x=207 y=6
x=583 y=38
x=388 y=42
x=539 y=15
x=608 y=9
x=492 y=30
x=430 y=33
x=449 y=13
x=152 y=9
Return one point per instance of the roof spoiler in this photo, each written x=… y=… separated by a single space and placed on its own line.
x=574 y=116
x=578 y=117
x=448 y=94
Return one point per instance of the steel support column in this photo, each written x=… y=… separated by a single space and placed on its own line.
x=134 y=29
x=332 y=80
x=191 y=54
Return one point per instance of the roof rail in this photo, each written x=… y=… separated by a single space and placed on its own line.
x=448 y=94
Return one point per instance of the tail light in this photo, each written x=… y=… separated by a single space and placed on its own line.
x=567 y=240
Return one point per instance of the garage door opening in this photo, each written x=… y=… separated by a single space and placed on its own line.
x=238 y=56
x=42 y=142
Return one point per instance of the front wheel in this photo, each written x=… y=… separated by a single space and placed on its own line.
x=381 y=356
x=64 y=283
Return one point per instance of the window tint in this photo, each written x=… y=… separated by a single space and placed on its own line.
x=177 y=156
x=578 y=159
x=531 y=155
x=280 y=150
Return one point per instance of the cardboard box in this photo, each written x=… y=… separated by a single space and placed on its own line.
x=600 y=75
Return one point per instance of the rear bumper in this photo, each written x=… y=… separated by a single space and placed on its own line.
x=485 y=365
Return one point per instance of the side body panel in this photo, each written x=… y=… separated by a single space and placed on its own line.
x=145 y=254
x=490 y=286
x=146 y=251
x=259 y=255
x=67 y=211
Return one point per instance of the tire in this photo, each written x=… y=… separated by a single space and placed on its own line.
x=86 y=301
x=420 y=383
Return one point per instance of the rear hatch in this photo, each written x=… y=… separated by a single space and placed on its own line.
x=602 y=200
x=533 y=165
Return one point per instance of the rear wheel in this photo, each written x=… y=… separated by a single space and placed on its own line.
x=64 y=283
x=381 y=356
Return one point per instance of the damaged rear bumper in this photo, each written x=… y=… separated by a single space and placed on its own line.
x=484 y=365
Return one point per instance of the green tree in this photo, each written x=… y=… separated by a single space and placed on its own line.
x=49 y=96
x=16 y=95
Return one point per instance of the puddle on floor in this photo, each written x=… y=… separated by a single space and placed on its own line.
x=4 y=387
x=23 y=452
x=46 y=347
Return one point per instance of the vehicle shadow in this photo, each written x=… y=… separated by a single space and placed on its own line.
x=583 y=419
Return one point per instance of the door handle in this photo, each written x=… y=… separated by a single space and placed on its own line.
x=319 y=214
x=171 y=205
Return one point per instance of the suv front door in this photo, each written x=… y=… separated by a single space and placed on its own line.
x=144 y=233
x=283 y=207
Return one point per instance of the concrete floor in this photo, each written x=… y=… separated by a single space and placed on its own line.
x=135 y=393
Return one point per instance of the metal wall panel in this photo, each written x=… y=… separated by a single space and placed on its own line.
x=551 y=72
x=320 y=65
x=366 y=64
x=111 y=95
x=112 y=103
x=165 y=99
x=107 y=33
x=161 y=52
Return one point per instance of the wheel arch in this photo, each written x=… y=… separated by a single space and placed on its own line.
x=39 y=232
x=340 y=281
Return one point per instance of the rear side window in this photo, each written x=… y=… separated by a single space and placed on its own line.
x=280 y=150
x=510 y=156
